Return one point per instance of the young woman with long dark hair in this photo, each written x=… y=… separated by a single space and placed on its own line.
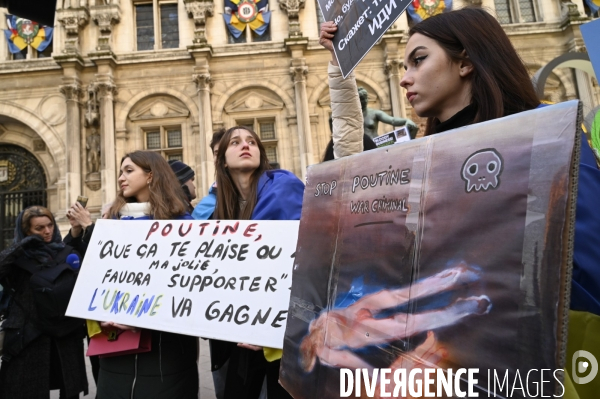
x=248 y=189
x=461 y=69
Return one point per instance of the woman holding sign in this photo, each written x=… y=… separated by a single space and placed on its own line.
x=461 y=69
x=248 y=189
x=150 y=190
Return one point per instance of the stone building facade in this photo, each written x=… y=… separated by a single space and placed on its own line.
x=163 y=75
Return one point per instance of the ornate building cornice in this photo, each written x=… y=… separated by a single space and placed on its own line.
x=73 y=20
x=292 y=9
x=199 y=10
x=299 y=73
x=105 y=17
x=106 y=89
x=393 y=66
x=71 y=91
x=202 y=80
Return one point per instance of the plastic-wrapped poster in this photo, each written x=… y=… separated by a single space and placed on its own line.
x=440 y=263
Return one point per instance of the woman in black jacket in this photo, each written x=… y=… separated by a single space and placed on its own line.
x=41 y=352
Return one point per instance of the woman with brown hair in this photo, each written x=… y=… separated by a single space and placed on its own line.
x=248 y=189
x=43 y=349
x=150 y=190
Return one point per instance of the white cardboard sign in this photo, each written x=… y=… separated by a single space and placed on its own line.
x=226 y=279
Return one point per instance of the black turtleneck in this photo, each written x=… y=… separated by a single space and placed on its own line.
x=462 y=118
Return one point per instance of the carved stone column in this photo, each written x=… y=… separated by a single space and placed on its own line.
x=204 y=156
x=72 y=92
x=292 y=9
x=393 y=68
x=73 y=20
x=299 y=70
x=199 y=10
x=105 y=17
x=108 y=169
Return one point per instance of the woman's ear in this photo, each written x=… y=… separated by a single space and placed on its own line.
x=149 y=177
x=465 y=65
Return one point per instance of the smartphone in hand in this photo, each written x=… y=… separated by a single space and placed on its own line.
x=82 y=200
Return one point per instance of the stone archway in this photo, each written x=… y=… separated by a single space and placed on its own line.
x=22 y=184
x=579 y=61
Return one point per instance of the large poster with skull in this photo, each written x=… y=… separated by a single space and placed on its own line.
x=450 y=251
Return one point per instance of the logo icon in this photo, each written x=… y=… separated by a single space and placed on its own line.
x=482 y=169
x=247 y=11
x=580 y=366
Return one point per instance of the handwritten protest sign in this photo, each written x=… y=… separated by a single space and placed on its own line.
x=217 y=279
x=447 y=252
x=361 y=23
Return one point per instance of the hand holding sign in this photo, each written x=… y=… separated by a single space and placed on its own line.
x=359 y=26
x=328 y=30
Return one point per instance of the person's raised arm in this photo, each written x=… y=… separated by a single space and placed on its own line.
x=348 y=124
x=328 y=30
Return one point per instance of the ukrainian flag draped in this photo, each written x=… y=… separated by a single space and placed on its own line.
x=23 y=32
x=423 y=9
x=241 y=13
x=584 y=317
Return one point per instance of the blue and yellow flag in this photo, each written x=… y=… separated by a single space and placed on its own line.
x=23 y=32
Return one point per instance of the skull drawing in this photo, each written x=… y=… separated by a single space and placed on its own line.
x=481 y=171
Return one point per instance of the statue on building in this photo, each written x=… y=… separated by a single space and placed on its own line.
x=92 y=144
x=93 y=140
x=372 y=117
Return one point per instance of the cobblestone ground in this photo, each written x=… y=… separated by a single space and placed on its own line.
x=206 y=385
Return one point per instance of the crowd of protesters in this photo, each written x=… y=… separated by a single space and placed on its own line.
x=461 y=69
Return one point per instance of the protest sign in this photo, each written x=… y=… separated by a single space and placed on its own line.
x=361 y=23
x=447 y=252
x=397 y=136
x=217 y=279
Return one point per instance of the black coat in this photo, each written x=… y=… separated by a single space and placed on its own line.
x=43 y=362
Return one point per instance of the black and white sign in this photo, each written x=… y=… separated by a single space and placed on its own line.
x=227 y=279
x=361 y=23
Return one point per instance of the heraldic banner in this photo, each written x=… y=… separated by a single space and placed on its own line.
x=452 y=251
x=23 y=32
